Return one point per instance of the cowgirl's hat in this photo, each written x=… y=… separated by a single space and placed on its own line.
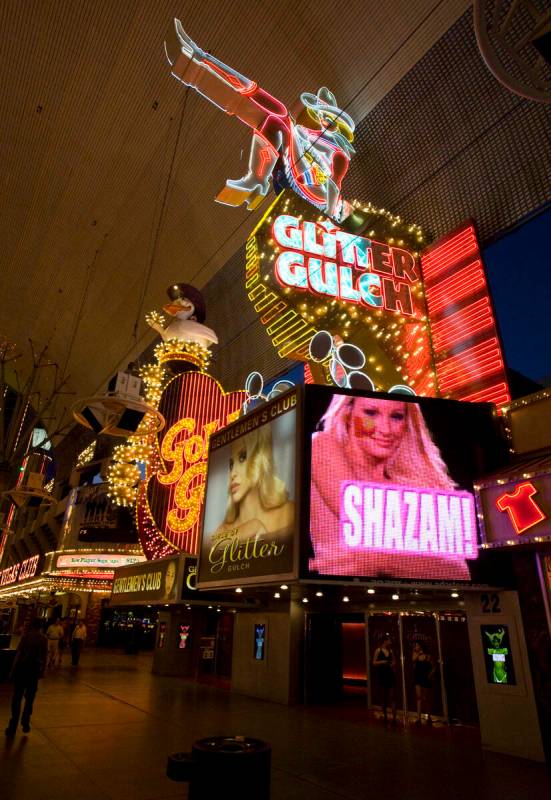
x=325 y=103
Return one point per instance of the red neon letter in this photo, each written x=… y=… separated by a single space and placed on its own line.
x=397 y=297
x=404 y=265
x=382 y=258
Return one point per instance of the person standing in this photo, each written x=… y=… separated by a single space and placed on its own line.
x=77 y=642
x=28 y=668
x=384 y=662
x=423 y=671
x=55 y=634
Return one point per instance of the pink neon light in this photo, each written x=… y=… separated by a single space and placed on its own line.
x=452 y=252
x=391 y=530
x=496 y=393
x=461 y=284
x=462 y=324
x=395 y=518
x=483 y=359
x=445 y=287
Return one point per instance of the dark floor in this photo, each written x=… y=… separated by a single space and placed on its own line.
x=103 y=732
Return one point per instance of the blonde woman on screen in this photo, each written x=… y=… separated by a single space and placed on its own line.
x=258 y=501
x=378 y=441
x=371 y=439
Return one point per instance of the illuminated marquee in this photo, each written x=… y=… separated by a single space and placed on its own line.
x=319 y=257
x=170 y=500
x=19 y=572
x=304 y=275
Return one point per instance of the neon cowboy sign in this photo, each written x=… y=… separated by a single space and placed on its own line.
x=320 y=258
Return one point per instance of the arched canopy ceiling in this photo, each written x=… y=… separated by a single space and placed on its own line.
x=93 y=125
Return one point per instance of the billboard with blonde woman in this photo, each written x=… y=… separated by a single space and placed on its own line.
x=250 y=517
x=391 y=484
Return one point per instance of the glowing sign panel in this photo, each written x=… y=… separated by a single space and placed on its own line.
x=523 y=510
x=517 y=512
x=194 y=406
x=20 y=571
x=320 y=258
x=398 y=519
x=97 y=560
x=391 y=484
x=251 y=513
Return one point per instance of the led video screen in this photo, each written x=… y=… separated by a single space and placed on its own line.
x=391 y=484
x=250 y=517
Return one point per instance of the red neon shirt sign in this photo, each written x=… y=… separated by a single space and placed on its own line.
x=523 y=511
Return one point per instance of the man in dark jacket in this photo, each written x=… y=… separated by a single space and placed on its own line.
x=28 y=668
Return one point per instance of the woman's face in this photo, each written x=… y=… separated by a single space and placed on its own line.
x=240 y=483
x=170 y=578
x=378 y=425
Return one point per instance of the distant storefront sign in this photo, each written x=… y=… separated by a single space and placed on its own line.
x=149 y=582
x=97 y=560
x=20 y=571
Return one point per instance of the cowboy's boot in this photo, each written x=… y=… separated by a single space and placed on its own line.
x=253 y=187
x=224 y=86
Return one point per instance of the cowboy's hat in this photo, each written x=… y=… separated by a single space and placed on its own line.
x=325 y=101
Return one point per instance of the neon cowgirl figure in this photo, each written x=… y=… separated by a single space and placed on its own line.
x=313 y=160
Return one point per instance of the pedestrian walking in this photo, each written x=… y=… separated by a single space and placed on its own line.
x=55 y=634
x=77 y=642
x=28 y=668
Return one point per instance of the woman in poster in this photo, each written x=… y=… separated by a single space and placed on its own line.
x=377 y=441
x=258 y=503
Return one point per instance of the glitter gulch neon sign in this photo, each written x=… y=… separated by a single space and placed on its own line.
x=401 y=519
x=320 y=258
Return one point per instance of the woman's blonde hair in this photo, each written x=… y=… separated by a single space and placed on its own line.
x=261 y=472
x=416 y=462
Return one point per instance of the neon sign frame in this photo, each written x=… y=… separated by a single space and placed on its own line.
x=329 y=267
x=514 y=510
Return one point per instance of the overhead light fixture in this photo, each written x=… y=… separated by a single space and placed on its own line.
x=395 y=596
x=455 y=594
x=304 y=599
x=319 y=594
x=371 y=591
x=277 y=595
x=346 y=599
x=239 y=590
x=283 y=586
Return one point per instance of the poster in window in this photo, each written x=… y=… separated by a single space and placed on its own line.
x=498 y=658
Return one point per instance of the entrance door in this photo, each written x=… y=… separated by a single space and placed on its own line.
x=379 y=627
x=422 y=629
x=323 y=659
x=458 y=670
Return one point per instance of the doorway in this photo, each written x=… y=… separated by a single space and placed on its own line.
x=339 y=653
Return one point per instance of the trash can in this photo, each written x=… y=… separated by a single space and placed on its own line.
x=222 y=766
